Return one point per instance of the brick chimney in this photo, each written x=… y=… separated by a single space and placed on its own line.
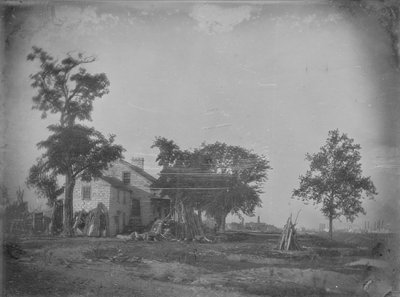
x=139 y=162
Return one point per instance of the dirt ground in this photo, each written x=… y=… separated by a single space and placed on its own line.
x=239 y=264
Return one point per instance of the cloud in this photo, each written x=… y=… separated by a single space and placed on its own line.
x=213 y=19
x=84 y=21
x=311 y=19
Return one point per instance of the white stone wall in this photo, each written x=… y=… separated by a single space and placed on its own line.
x=138 y=181
x=100 y=192
x=119 y=207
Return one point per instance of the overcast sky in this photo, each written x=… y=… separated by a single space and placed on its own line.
x=274 y=78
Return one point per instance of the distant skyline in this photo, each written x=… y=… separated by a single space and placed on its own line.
x=274 y=78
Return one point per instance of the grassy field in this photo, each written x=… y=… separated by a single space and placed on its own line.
x=238 y=264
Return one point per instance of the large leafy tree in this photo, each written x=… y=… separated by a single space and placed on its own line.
x=335 y=179
x=242 y=173
x=216 y=178
x=184 y=173
x=182 y=178
x=66 y=89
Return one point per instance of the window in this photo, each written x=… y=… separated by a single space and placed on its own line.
x=86 y=192
x=125 y=197
x=126 y=178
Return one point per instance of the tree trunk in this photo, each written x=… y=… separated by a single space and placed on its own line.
x=199 y=215
x=68 y=205
x=53 y=219
x=330 y=227
x=222 y=222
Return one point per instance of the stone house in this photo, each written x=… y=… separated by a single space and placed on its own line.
x=125 y=190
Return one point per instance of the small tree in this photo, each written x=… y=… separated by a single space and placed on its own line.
x=46 y=186
x=5 y=199
x=16 y=214
x=74 y=151
x=335 y=179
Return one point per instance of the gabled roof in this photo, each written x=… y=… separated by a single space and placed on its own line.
x=116 y=183
x=139 y=170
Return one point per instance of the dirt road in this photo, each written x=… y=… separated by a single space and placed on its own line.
x=249 y=267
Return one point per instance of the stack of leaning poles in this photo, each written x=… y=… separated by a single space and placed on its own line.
x=289 y=237
x=189 y=226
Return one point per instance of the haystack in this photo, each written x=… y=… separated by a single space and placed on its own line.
x=188 y=225
x=289 y=237
x=94 y=223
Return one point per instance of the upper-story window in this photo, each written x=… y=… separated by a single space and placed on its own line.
x=86 y=193
x=126 y=178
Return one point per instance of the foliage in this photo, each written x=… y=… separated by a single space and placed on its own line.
x=184 y=173
x=243 y=171
x=87 y=152
x=335 y=179
x=66 y=87
x=5 y=199
x=215 y=178
x=169 y=152
x=45 y=184
x=16 y=214
x=72 y=150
